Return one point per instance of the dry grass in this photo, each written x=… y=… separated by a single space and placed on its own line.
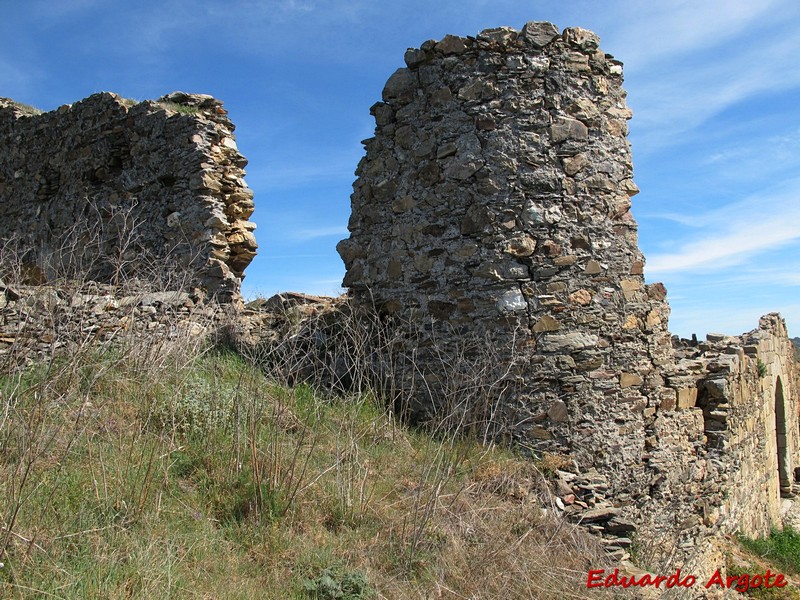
x=165 y=468
x=147 y=466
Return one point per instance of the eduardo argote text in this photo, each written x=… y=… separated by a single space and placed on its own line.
x=599 y=578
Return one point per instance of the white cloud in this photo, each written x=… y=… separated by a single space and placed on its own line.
x=737 y=232
x=319 y=232
x=303 y=173
x=686 y=62
x=655 y=30
x=676 y=102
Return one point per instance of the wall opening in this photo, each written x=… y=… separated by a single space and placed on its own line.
x=780 y=436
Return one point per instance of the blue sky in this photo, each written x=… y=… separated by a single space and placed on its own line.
x=714 y=86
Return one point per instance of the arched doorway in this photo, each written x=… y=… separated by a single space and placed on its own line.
x=784 y=477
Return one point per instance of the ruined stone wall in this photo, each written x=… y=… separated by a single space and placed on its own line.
x=492 y=207
x=747 y=392
x=494 y=201
x=38 y=322
x=116 y=190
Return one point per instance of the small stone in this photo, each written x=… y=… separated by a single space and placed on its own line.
x=653 y=319
x=400 y=86
x=581 y=297
x=403 y=204
x=498 y=35
x=574 y=164
x=539 y=33
x=568 y=129
x=546 y=323
x=216 y=221
x=629 y=380
x=595 y=515
x=540 y=433
x=585 y=111
x=485 y=123
x=394 y=269
x=656 y=291
x=415 y=57
x=565 y=261
x=629 y=187
x=512 y=301
x=631 y=322
x=686 y=398
x=452 y=44
x=521 y=246
x=619 y=525
x=558 y=413
x=568 y=342
x=630 y=287
x=581 y=38
x=445 y=150
x=593 y=268
x=463 y=169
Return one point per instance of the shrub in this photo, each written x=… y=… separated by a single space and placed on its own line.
x=762 y=368
x=335 y=583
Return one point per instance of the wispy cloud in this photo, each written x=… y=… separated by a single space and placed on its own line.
x=688 y=61
x=655 y=30
x=302 y=173
x=737 y=232
x=760 y=157
x=271 y=27
x=681 y=101
x=319 y=232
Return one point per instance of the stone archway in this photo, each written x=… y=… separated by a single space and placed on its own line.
x=784 y=477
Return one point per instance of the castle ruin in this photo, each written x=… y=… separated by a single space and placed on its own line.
x=117 y=190
x=492 y=209
x=494 y=200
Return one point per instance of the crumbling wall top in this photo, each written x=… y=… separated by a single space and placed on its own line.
x=110 y=188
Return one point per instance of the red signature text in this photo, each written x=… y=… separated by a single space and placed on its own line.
x=598 y=578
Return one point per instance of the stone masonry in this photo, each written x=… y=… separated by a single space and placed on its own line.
x=490 y=230
x=111 y=189
x=495 y=196
x=493 y=203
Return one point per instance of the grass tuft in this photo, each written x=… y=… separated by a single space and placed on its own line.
x=781 y=548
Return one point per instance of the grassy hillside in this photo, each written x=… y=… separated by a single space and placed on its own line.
x=172 y=470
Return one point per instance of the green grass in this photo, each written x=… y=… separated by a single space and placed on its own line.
x=781 y=548
x=28 y=109
x=762 y=593
x=167 y=470
x=179 y=108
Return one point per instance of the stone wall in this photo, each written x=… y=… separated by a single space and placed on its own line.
x=116 y=190
x=491 y=230
x=492 y=207
x=494 y=198
x=38 y=322
x=747 y=392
